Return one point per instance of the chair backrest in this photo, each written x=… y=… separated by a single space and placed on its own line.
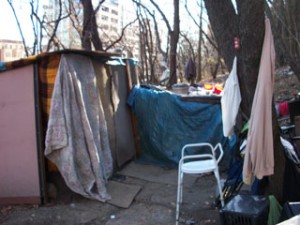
x=208 y=146
x=219 y=146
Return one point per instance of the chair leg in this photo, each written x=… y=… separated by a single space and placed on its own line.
x=179 y=194
x=216 y=172
x=181 y=187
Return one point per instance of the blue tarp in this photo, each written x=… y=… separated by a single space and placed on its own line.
x=166 y=124
x=2 y=66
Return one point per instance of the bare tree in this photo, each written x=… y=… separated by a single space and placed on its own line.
x=90 y=33
x=227 y=24
x=42 y=26
x=187 y=52
x=154 y=20
x=150 y=44
x=201 y=33
x=285 y=21
x=19 y=26
x=174 y=37
x=53 y=39
x=199 y=67
x=190 y=44
x=114 y=42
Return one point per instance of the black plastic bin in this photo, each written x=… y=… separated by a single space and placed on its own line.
x=246 y=210
x=294 y=109
x=289 y=210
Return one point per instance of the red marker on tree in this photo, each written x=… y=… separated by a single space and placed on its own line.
x=236 y=43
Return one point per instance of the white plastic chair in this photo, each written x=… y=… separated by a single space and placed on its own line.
x=198 y=164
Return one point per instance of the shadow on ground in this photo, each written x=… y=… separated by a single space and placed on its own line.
x=154 y=204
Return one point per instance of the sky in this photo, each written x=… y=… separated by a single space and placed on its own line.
x=9 y=28
x=8 y=24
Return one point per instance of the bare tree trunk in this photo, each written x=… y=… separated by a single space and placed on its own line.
x=90 y=33
x=199 y=64
x=215 y=68
x=149 y=46
x=224 y=23
x=285 y=21
x=250 y=51
x=142 y=54
x=277 y=33
x=174 y=37
x=249 y=26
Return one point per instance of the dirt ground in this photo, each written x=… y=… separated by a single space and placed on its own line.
x=153 y=205
x=286 y=85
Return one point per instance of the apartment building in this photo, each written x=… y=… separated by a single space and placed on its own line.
x=108 y=20
x=132 y=32
x=11 y=50
x=112 y=17
x=66 y=33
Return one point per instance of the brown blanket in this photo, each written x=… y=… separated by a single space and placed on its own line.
x=77 y=139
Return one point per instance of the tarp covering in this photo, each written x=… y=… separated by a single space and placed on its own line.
x=77 y=138
x=166 y=124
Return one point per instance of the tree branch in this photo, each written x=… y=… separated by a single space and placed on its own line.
x=190 y=44
x=19 y=26
x=138 y=4
x=163 y=15
x=98 y=6
x=121 y=36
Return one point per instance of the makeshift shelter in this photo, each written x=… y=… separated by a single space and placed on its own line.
x=166 y=122
x=37 y=120
x=26 y=88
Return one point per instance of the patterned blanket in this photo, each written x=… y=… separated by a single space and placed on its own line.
x=77 y=138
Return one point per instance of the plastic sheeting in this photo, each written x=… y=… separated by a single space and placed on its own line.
x=166 y=124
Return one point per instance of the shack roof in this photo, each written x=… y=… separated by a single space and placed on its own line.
x=4 y=66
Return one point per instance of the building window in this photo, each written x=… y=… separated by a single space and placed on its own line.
x=14 y=53
x=105 y=27
x=112 y=28
x=105 y=18
x=113 y=20
x=105 y=9
x=114 y=12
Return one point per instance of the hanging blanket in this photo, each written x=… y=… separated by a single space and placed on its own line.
x=230 y=101
x=77 y=139
x=259 y=155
